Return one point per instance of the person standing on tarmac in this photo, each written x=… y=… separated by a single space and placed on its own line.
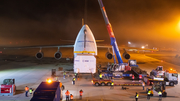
x=160 y=95
x=64 y=75
x=148 y=94
x=136 y=96
x=27 y=90
x=73 y=80
x=75 y=75
x=67 y=95
x=30 y=91
x=71 y=97
x=100 y=75
x=143 y=84
x=81 y=93
x=112 y=85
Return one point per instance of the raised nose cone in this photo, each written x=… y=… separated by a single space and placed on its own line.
x=85 y=42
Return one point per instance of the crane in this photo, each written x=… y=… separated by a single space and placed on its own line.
x=111 y=35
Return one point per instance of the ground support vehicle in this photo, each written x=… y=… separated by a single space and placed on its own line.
x=107 y=82
x=149 y=80
x=170 y=77
x=159 y=79
x=48 y=91
x=8 y=87
x=158 y=84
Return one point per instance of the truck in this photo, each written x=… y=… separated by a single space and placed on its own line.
x=170 y=77
x=48 y=91
x=159 y=79
x=8 y=88
x=107 y=82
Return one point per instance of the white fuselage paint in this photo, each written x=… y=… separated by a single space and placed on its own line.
x=85 y=49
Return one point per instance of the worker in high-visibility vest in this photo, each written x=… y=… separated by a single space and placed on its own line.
x=67 y=95
x=71 y=97
x=75 y=75
x=27 y=90
x=30 y=91
x=148 y=94
x=112 y=85
x=100 y=76
x=81 y=93
x=64 y=75
x=73 y=81
x=136 y=96
x=160 y=95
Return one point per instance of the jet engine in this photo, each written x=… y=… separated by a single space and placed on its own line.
x=57 y=55
x=39 y=55
x=126 y=55
x=109 y=55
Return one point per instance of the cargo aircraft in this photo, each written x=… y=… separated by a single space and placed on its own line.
x=85 y=43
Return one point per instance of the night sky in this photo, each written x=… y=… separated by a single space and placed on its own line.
x=45 y=22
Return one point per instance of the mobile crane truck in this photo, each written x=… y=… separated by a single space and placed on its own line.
x=120 y=67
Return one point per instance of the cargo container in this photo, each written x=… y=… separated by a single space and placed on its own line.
x=85 y=63
x=47 y=92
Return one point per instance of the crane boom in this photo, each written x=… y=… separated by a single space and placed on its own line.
x=111 y=33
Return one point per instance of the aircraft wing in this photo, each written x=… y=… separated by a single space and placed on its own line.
x=138 y=49
x=71 y=46
x=39 y=46
x=128 y=48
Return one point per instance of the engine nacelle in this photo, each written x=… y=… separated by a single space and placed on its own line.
x=39 y=55
x=126 y=55
x=109 y=55
x=57 y=55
